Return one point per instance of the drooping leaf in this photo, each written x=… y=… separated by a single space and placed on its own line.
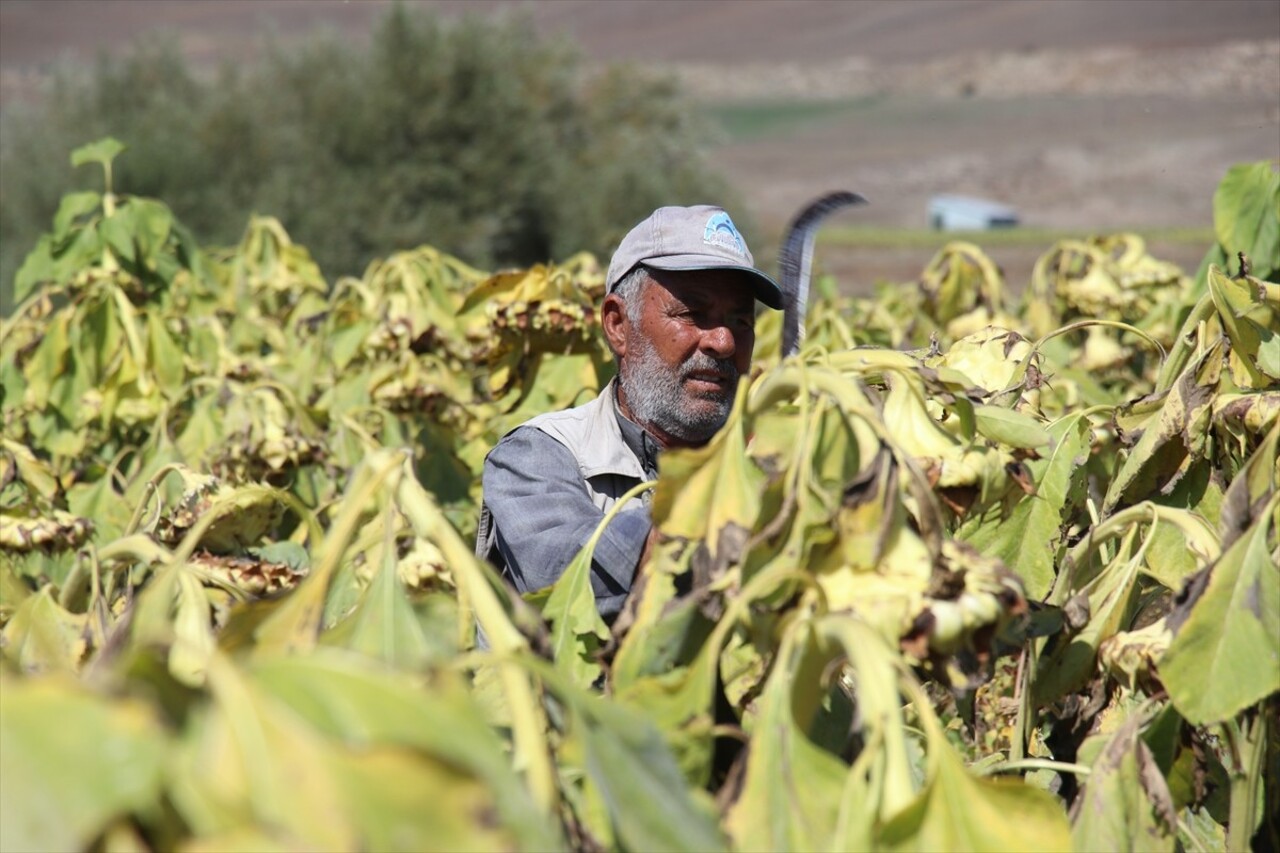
x=680 y=703
x=343 y=697
x=72 y=762
x=577 y=631
x=1068 y=659
x=1172 y=437
x=100 y=501
x=1251 y=490
x=1246 y=214
x=1251 y=325
x=1028 y=540
x=43 y=637
x=384 y=625
x=711 y=494
x=649 y=800
x=957 y=811
x=72 y=207
x=1010 y=428
x=1225 y=652
x=402 y=800
x=193 y=640
x=248 y=760
x=1126 y=804
x=164 y=354
x=794 y=791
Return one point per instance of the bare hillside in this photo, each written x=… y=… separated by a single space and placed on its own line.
x=35 y=32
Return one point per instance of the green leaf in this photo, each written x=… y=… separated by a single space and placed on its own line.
x=72 y=207
x=1250 y=323
x=1170 y=557
x=1225 y=655
x=957 y=811
x=13 y=591
x=1197 y=830
x=792 y=796
x=43 y=637
x=1246 y=214
x=96 y=343
x=653 y=646
x=137 y=232
x=402 y=800
x=46 y=363
x=680 y=703
x=345 y=342
x=203 y=430
x=384 y=625
x=651 y=804
x=34 y=473
x=101 y=502
x=1252 y=487
x=340 y=695
x=711 y=493
x=290 y=553
x=193 y=640
x=1028 y=539
x=1172 y=438
x=164 y=355
x=577 y=631
x=1126 y=804
x=152 y=224
x=1010 y=428
x=118 y=232
x=83 y=249
x=102 y=151
x=249 y=759
x=37 y=268
x=1067 y=660
x=72 y=762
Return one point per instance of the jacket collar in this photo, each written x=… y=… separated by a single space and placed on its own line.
x=604 y=450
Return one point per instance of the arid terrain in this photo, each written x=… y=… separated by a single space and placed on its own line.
x=1083 y=115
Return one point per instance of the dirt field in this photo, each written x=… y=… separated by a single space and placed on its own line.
x=1082 y=115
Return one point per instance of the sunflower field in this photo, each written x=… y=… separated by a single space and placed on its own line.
x=971 y=571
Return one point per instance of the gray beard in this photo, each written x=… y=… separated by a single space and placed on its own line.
x=656 y=396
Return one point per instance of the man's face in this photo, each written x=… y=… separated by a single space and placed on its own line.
x=685 y=356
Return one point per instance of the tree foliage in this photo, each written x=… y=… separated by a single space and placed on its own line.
x=473 y=136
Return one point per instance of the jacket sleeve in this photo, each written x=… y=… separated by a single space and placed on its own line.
x=543 y=515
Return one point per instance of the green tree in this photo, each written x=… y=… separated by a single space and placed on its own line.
x=473 y=136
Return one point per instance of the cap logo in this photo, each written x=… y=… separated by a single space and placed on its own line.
x=721 y=232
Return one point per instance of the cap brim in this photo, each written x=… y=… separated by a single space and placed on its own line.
x=767 y=290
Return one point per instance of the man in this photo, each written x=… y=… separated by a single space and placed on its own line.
x=679 y=316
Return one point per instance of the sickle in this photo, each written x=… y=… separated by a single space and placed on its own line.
x=795 y=260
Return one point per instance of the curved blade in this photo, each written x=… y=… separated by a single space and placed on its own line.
x=795 y=261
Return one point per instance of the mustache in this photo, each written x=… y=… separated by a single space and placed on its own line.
x=700 y=362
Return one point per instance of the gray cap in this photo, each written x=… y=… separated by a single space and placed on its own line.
x=701 y=237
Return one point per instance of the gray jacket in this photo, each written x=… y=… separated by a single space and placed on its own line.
x=547 y=485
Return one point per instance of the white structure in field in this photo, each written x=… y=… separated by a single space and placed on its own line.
x=963 y=213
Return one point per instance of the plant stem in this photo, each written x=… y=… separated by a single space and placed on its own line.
x=1248 y=744
x=1037 y=764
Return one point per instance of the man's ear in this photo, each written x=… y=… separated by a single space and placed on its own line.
x=613 y=318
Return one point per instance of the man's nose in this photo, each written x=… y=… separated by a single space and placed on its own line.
x=718 y=342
